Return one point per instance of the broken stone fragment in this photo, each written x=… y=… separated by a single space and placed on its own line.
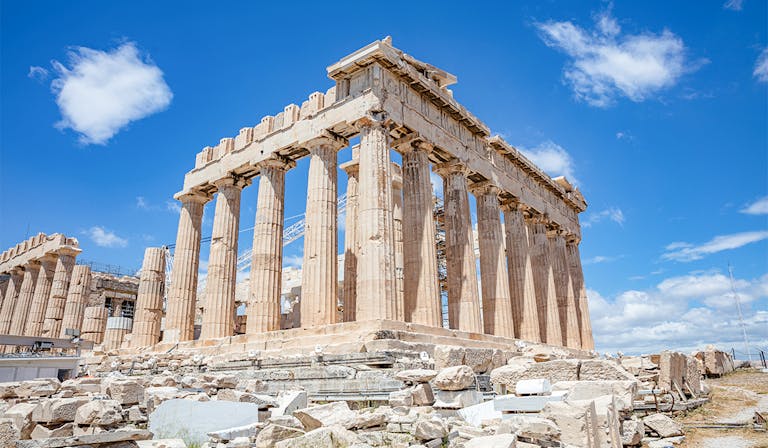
x=506 y=377
x=422 y=395
x=82 y=386
x=99 y=413
x=632 y=432
x=271 y=434
x=663 y=425
x=428 y=429
x=45 y=432
x=58 y=410
x=497 y=441
x=416 y=375
x=44 y=387
x=21 y=417
x=529 y=426
x=8 y=390
x=454 y=378
x=332 y=437
x=264 y=401
x=125 y=391
x=445 y=399
x=336 y=413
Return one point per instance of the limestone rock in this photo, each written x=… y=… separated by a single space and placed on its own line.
x=663 y=425
x=446 y=399
x=161 y=443
x=559 y=370
x=416 y=375
x=9 y=433
x=335 y=413
x=251 y=385
x=222 y=381
x=402 y=397
x=422 y=395
x=272 y=434
x=44 y=387
x=454 y=378
x=364 y=420
x=624 y=391
x=334 y=436
x=264 y=401
x=448 y=356
x=497 y=441
x=250 y=430
x=8 y=390
x=289 y=401
x=479 y=360
x=99 y=413
x=632 y=432
x=21 y=416
x=286 y=420
x=577 y=421
x=43 y=432
x=163 y=381
x=603 y=369
x=106 y=437
x=125 y=391
x=58 y=410
x=529 y=426
x=82 y=386
x=428 y=429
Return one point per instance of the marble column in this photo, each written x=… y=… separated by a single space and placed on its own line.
x=463 y=295
x=544 y=282
x=149 y=301
x=54 y=312
x=34 y=325
x=376 y=278
x=497 y=306
x=182 y=292
x=77 y=297
x=319 y=277
x=520 y=272
x=94 y=323
x=26 y=295
x=263 y=307
x=3 y=289
x=397 y=219
x=421 y=290
x=566 y=300
x=349 y=287
x=10 y=299
x=580 y=294
x=219 y=310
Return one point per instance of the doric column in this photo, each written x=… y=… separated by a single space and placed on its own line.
x=566 y=301
x=544 y=281
x=421 y=290
x=349 y=287
x=54 y=313
x=34 y=325
x=10 y=299
x=3 y=289
x=77 y=297
x=182 y=292
x=319 y=277
x=520 y=272
x=463 y=296
x=580 y=294
x=94 y=323
x=497 y=307
x=149 y=301
x=397 y=219
x=219 y=311
x=376 y=279
x=263 y=307
x=24 y=302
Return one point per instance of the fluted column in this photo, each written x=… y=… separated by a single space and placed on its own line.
x=520 y=272
x=77 y=296
x=376 y=279
x=566 y=301
x=26 y=295
x=219 y=311
x=149 y=301
x=3 y=289
x=421 y=291
x=182 y=292
x=94 y=323
x=580 y=294
x=497 y=307
x=463 y=296
x=54 y=312
x=544 y=281
x=319 y=277
x=10 y=299
x=349 y=287
x=34 y=325
x=263 y=307
x=397 y=219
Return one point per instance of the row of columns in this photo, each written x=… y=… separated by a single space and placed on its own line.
x=532 y=288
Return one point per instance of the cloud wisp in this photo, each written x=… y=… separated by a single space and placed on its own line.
x=759 y=207
x=612 y=214
x=761 y=67
x=682 y=251
x=606 y=63
x=734 y=5
x=101 y=92
x=105 y=238
x=552 y=158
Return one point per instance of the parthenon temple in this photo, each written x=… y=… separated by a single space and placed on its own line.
x=531 y=285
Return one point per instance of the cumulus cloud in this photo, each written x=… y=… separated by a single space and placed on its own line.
x=101 y=92
x=552 y=158
x=683 y=313
x=761 y=67
x=606 y=63
x=612 y=213
x=105 y=238
x=759 y=207
x=682 y=251
x=734 y=5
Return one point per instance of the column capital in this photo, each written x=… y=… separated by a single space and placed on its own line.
x=485 y=187
x=71 y=251
x=572 y=239
x=193 y=196
x=511 y=203
x=276 y=162
x=450 y=167
x=32 y=265
x=325 y=138
x=232 y=180
x=412 y=142
x=49 y=257
x=372 y=119
x=352 y=168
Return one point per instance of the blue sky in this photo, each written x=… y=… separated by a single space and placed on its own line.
x=658 y=111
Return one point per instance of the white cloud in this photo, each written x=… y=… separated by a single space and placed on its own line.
x=172 y=206
x=734 y=5
x=606 y=64
x=759 y=207
x=37 y=73
x=293 y=261
x=680 y=313
x=681 y=251
x=601 y=259
x=105 y=238
x=552 y=158
x=141 y=203
x=103 y=91
x=612 y=213
x=761 y=67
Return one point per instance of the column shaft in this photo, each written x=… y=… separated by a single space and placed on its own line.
x=319 y=277
x=351 y=244
x=34 y=325
x=421 y=288
x=149 y=301
x=520 y=271
x=497 y=307
x=54 y=313
x=463 y=296
x=77 y=296
x=10 y=299
x=580 y=294
x=219 y=311
x=544 y=281
x=566 y=303
x=26 y=294
x=397 y=219
x=376 y=278
x=94 y=323
x=182 y=292
x=263 y=307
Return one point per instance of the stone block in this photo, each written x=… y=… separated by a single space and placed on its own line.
x=506 y=377
x=99 y=413
x=577 y=422
x=496 y=441
x=603 y=369
x=402 y=397
x=289 y=401
x=448 y=356
x=422 y=395
x=21 y=416
x=272 y=434
x=539 y=386
x=45 y=432
x=608 y=421
x=415 y=376
x=264 y=401
x=125 y=391
x=624 y=391
x=454 y=378
x=225 y=435
x=336 y=413
x=632 y=432
x=82 y=386
x=428 y=429
x=672 y=368
x=480 y=360
x=663 y=425
x=8 y=389
x=44 y=387
x=57 y=410
x=446 y=399
x=531 y=426
x=109 y=438
x=530 y=403
x=476 y=414
x=161 y=443
x=334 y=436
x=9 y=433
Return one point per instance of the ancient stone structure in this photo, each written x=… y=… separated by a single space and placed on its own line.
x=149 y=302
x=532 y=286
